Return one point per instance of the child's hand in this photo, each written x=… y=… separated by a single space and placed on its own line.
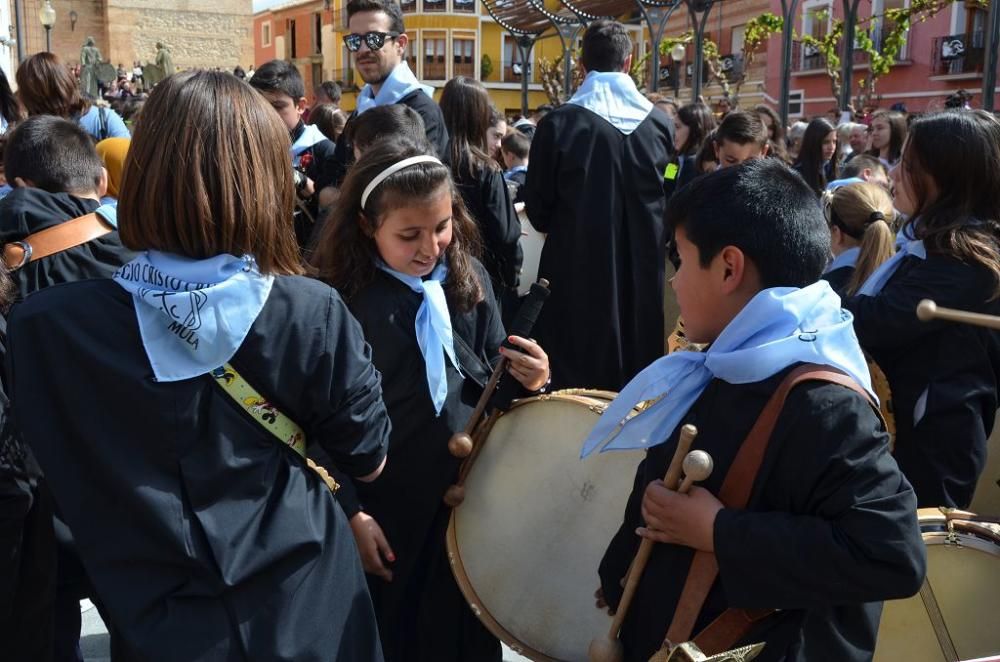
x=530 y=367
x=372 y=545
x=682 y=519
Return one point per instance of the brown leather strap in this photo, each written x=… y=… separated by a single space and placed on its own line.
x=54 y=240
x=725 y=631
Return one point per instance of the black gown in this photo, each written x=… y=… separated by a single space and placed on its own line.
x=830 y=529
x=600 y=196
x=839 y=278
x=956 y=365
x=205 y=538
x=421 y=613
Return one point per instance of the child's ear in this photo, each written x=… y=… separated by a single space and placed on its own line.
x=102 y=183
x=765 y=150
x=734 y=264
x=300 y=106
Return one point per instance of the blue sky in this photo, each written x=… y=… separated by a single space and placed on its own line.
x=258 y=5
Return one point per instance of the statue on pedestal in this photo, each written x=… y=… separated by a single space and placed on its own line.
x=163 y=59
x=90 y=59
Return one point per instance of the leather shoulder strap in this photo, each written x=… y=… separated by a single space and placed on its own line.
x=55 y=239
x=735 y=492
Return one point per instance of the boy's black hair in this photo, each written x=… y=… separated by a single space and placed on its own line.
x=395 y=120
x=391 y=9
x=741 y=127
x=763 y=208
x=858 y=163
x=606 y=46
x=517 y=144
x=331 y=90
x=55 y=154
x=279 y=76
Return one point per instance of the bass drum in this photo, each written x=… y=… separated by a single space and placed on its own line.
x=986 y=500
x=526 y=542
x=955 y=615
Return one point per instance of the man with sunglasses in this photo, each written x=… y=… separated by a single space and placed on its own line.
x=377 y=39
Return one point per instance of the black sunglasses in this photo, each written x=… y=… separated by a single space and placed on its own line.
x=374 y=40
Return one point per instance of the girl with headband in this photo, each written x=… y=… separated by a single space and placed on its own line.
x=860 y=236
x=400 y=248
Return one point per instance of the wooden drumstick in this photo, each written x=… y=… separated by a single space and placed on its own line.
x=927 y=310
x=608 y=648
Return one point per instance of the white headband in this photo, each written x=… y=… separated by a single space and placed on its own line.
x=394 y=168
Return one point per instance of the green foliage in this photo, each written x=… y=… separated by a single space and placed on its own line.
x=638 y=71
x=829 y=47
x=485 y=67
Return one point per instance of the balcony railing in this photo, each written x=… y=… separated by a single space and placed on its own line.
x=959 y=54
x=512 y=72
x=806 y=57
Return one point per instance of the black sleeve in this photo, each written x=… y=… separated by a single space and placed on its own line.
x=437 y=133
x=889 y=319
x=501 y=226
x=343 y=157
x=349 y=418
x=540 y=190
x=839 y=503
x=323 y=168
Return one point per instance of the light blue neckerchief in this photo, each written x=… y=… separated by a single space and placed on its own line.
x=193 y=314
x=309 y=137
x=881 y=276
x=613 y=96
x=905 y=234
x=846 y=259
x=847 y=181
x=433 y=328
x=399 y=83
x=108 y=211
x=778 y=328
x=513 y=171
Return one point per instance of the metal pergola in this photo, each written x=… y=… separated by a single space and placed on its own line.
x=530 y=20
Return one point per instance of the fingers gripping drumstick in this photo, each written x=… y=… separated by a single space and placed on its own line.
x=697 y=465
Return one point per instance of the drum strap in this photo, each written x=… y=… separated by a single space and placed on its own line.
x=734 y=624
x=54 y=239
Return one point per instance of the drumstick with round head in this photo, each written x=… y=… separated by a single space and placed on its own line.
x=927 y=310
x=608 y=648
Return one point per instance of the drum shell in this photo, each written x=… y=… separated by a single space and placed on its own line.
x=526 y=543
x=963 y=571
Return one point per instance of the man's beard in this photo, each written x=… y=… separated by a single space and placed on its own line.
x=379 y=78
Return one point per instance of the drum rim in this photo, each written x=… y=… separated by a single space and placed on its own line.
x=594 y=400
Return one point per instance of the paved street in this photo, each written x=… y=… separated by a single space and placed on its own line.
x=94 y=639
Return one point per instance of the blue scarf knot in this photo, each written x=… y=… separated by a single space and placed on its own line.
x=433 y=328
x=778 y=328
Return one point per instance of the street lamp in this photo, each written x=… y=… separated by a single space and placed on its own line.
x=47 y=17
x=677 y=54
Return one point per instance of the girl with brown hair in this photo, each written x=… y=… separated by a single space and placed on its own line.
x=861 y=238
x=467 y=114
x=943 y=375
x=888 y=133
x=192 y=510
x=400 y=247
x=45 y=86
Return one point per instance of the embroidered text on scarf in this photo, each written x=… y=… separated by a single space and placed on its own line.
x=778 y=328
x=193 y=314
x=399 y=83
x=433 y=328
x=614 y=97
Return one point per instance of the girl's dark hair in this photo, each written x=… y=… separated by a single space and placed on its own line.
x=700 y=121
x=394 y=120
x=776 y=133
x=208 y=173
x=346 y=254
x=46 y=87
x=897 y=132
x=466 y=107
x=810 y=164
x=707 y=152
x=960 y=151
x=10 y=107
x=329 y=119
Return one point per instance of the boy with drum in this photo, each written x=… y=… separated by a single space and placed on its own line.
x=827 y=528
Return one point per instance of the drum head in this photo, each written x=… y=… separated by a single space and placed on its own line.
x=963 y=574
x=526 y=543
x=987 y=497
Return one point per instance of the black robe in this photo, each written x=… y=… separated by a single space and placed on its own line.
x=486 y=197
x=25 y=211
x=434 y=126
x=839 y=278
x=321 y=169
x=600 y=196
x=421 y=613
x=830 y=529
x=956 y=365
x=205 y=537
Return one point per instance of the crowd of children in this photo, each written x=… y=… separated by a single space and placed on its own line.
x=234 y=311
